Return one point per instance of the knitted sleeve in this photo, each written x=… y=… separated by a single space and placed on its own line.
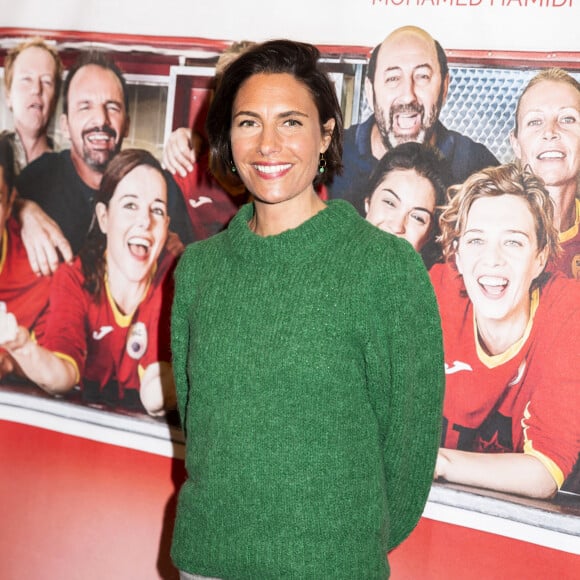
x=180 y=330
x=408 y=353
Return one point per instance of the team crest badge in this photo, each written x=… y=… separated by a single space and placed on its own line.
x=137 y=340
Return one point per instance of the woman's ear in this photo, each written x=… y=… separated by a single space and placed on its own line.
x=327 y=130
x=515 y=145
x=102 y=216
x=542 y=260
x=457 y=257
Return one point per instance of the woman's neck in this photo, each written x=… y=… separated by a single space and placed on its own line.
x=497 y=336
x=564 y=198
x=127 y=294
x=34 y=145
x=273 y=219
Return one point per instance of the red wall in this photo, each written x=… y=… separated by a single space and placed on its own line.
x=72 y=508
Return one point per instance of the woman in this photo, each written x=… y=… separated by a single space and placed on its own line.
x=513 y=373
x=408 y=186
x=300 y=397
x=108 y=319
x=547 y=138
x=21 y=291
x=32 y=77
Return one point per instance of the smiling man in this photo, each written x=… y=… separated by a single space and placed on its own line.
x=407 y=83
x=95 y=118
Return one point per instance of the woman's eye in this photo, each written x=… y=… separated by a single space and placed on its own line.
x=130 y=205
x=420 y=218
x=158 y=211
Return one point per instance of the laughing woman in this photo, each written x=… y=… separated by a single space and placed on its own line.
x=407 y=190
x=512 y=364
x=108 y=322
x=307 y=351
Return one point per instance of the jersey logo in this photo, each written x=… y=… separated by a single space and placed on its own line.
x=102 y=332
x=457 y=367
x=202 y=200
x=519 y=376
x=137 y=340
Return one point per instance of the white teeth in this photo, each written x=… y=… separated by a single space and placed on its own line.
x=272 y=168
x=407 y=120
x=492 y=281
x=138 y=241
x=92 y=138
x=551 y=155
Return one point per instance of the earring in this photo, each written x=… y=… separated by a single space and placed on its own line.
x=233 y=167
x=322 y=164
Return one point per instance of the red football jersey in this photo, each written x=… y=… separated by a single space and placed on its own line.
x=569 y=260
x=102 y=342
x=24 y=293
x=209 y=206
x=526 y=399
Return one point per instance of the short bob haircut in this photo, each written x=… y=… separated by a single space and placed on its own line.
x=92 y=254
x=429 y=163
x=556 y=75
x=508 y=179
x=273 y=57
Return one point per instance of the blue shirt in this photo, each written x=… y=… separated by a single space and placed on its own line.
x=464 y=155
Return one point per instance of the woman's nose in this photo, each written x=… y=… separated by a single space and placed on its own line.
x=269 y=141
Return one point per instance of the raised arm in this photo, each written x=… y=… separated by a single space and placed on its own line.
x=181 y=150
x=42 y=237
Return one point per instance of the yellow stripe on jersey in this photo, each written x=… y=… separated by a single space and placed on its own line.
x=550 y=465
x=4 y=253
x=124 y=320
x=72 y=361
x=496 y=360
x=569 y=234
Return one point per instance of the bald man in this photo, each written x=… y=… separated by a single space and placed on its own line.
x=407 y=83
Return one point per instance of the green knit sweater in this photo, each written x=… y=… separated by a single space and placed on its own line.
x=309 y=374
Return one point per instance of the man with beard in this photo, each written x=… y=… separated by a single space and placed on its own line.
x=95 y=119
x=407 y=82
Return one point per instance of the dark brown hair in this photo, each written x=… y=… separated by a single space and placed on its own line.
x=92 y=254
x=274 y=57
